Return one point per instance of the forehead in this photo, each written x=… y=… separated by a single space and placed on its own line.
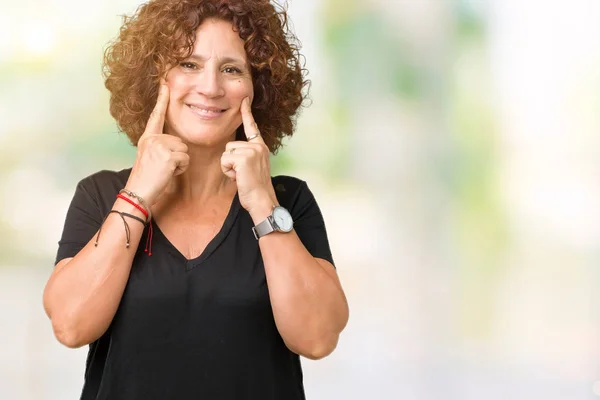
x=215 y=37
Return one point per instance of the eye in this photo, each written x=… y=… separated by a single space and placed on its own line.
x=231 y=70
x=188 y=65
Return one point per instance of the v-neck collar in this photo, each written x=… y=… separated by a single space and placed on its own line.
x=215 y=241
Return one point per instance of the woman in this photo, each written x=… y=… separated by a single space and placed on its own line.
x=194 y=274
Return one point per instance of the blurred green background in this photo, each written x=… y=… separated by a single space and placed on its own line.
x=453 y=146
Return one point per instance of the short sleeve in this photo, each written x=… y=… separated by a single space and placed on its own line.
x=308 y=222
x=82 y=221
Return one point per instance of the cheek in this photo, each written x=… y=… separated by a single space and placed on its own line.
x=242 y=89
x=179 y=84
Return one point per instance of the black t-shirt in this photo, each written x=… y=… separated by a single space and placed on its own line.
x=193 y=329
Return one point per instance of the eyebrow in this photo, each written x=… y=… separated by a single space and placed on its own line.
x=224 y=60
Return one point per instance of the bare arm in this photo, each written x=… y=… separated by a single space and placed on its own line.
x=84 y=292
x=309 y=305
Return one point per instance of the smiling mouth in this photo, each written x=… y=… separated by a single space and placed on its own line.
x=207 y=111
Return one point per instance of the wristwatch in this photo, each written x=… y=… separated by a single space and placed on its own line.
x=280 y=220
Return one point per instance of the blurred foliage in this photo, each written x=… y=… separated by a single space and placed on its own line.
x=362 y=49
x=469 y=23
x=364 y=58
x=480 y=231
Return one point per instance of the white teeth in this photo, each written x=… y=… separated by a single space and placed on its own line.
x=205 y=111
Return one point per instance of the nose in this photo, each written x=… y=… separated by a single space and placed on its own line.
x=209 y=82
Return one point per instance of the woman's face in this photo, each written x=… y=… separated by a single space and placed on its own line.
x=207 y=88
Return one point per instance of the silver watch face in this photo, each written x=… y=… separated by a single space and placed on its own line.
x=282 y=219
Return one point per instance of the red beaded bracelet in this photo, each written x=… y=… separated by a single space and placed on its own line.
x=148 y=248
x=133 y=203
x=133 y=195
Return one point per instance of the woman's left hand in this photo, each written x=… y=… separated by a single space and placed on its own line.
x=247 y=163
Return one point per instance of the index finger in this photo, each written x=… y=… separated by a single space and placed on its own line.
x=156 y=122
x=250 y=127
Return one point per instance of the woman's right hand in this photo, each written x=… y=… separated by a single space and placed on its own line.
x=160 y=157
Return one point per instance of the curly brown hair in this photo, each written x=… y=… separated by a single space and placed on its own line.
x=162 y=33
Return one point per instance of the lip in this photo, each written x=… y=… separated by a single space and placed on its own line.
x=210 y=113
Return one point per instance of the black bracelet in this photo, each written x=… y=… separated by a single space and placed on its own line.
x=127 y=231
x=132 y=216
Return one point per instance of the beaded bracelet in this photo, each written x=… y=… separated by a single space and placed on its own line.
x=146 y=213
x=138 y=198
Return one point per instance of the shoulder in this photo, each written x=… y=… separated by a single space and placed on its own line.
x=100 y=189
x=105 y=180
x=292 y=192
x=287 y=187
x=284 y=183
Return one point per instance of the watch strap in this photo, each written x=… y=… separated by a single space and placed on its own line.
x=263 y=228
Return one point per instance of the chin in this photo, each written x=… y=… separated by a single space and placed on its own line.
x=205 y=136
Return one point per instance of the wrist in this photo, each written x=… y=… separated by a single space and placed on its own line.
x=135 y=200
x=262 y=209
x=124 y=206
x=141 y=190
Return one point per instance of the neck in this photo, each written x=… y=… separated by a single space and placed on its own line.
x=203 y=179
